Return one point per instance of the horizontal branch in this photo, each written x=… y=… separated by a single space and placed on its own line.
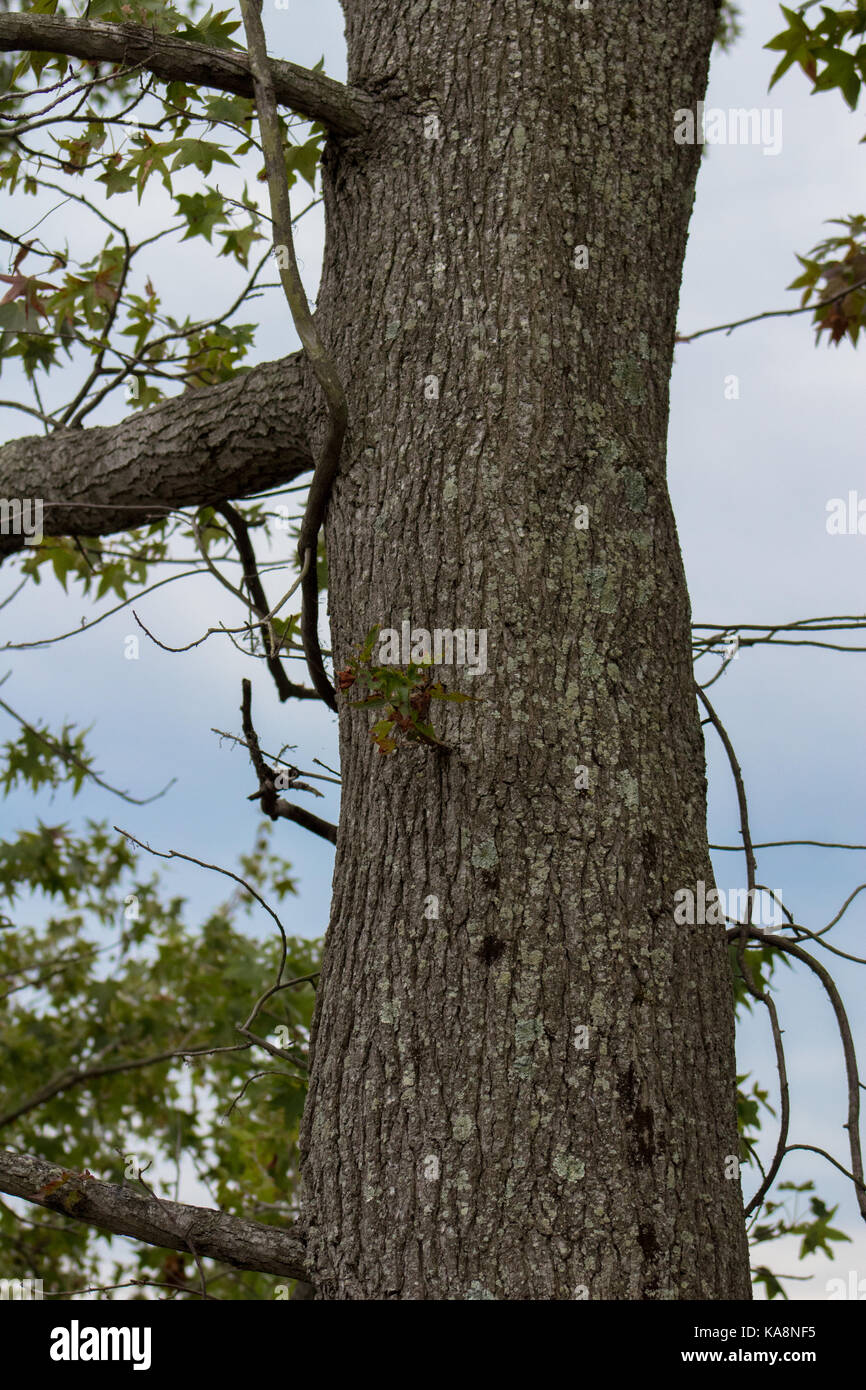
x=776 y=844
x=304 y=818
x=343 y=110
x=124 y=1211
x=202 y=447
x=728 y=328
x=68 y=1080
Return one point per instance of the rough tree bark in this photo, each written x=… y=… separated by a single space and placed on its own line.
x=460 y=1140
x=234 y=439
x=458 y=1144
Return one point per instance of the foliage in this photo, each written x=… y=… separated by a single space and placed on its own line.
x=102 y=967
x=840 y=261
x=110 y=134
x=728 y=25
x=829 y=51
x=832 y=54
x=113 y=975
x=403 y=696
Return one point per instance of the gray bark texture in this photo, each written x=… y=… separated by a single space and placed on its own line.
x=523 y=1078
x=226 y=441
x=460 y=1140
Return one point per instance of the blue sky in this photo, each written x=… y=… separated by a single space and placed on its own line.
x=750 y=480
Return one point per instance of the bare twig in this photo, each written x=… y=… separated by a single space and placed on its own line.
x=772 y=314
x=67 y=756
x=271 y=804
x=323 y=366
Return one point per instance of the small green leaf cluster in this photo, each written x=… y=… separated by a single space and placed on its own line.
x=840 y=262
x=404 y=696
x=820 y=49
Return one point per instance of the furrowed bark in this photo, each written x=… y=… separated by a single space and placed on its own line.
x=221 y=442
x=126 y=1211
x=522 y=1074
x=342 y=110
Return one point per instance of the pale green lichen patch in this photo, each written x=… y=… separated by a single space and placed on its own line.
x=568 y=1166
x=628 y=789
x=602 y=582
x=527 y=1031
x=485 y=856
x=389 y=1011
x=634 y=485
x=628 y=377
x=462 y=1127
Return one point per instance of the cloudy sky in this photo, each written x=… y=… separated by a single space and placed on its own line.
x=750 y=479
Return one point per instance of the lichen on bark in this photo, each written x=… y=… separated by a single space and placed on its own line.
x=560 y=1171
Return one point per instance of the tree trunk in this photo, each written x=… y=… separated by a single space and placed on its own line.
x=530 y=1096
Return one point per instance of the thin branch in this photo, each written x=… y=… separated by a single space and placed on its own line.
x=66 y=1080
x=271 y=804
x=804 y=934
x=94 y=622
x=853 y=1122
x=68 y=757
x=28 y=410
x=292 y=774
x=776 y=844
x=747 y=846
x=814 y=1149
x=34 y=121
x=844 y=908
x=770 y=1175
x=772 y=314
x=256 y=1076
x=278 y=1052
x=132 y=1284
x=258 y=600
x=218 y=869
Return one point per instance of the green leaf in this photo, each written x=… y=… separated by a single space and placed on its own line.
x=304 y=160
x=202 y=212
x=765 y=1276
x=214 y=29
x=203 y=154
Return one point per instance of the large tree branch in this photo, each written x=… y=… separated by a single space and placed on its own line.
x=344 y=110
x=124 y=1211
x=204 y=446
